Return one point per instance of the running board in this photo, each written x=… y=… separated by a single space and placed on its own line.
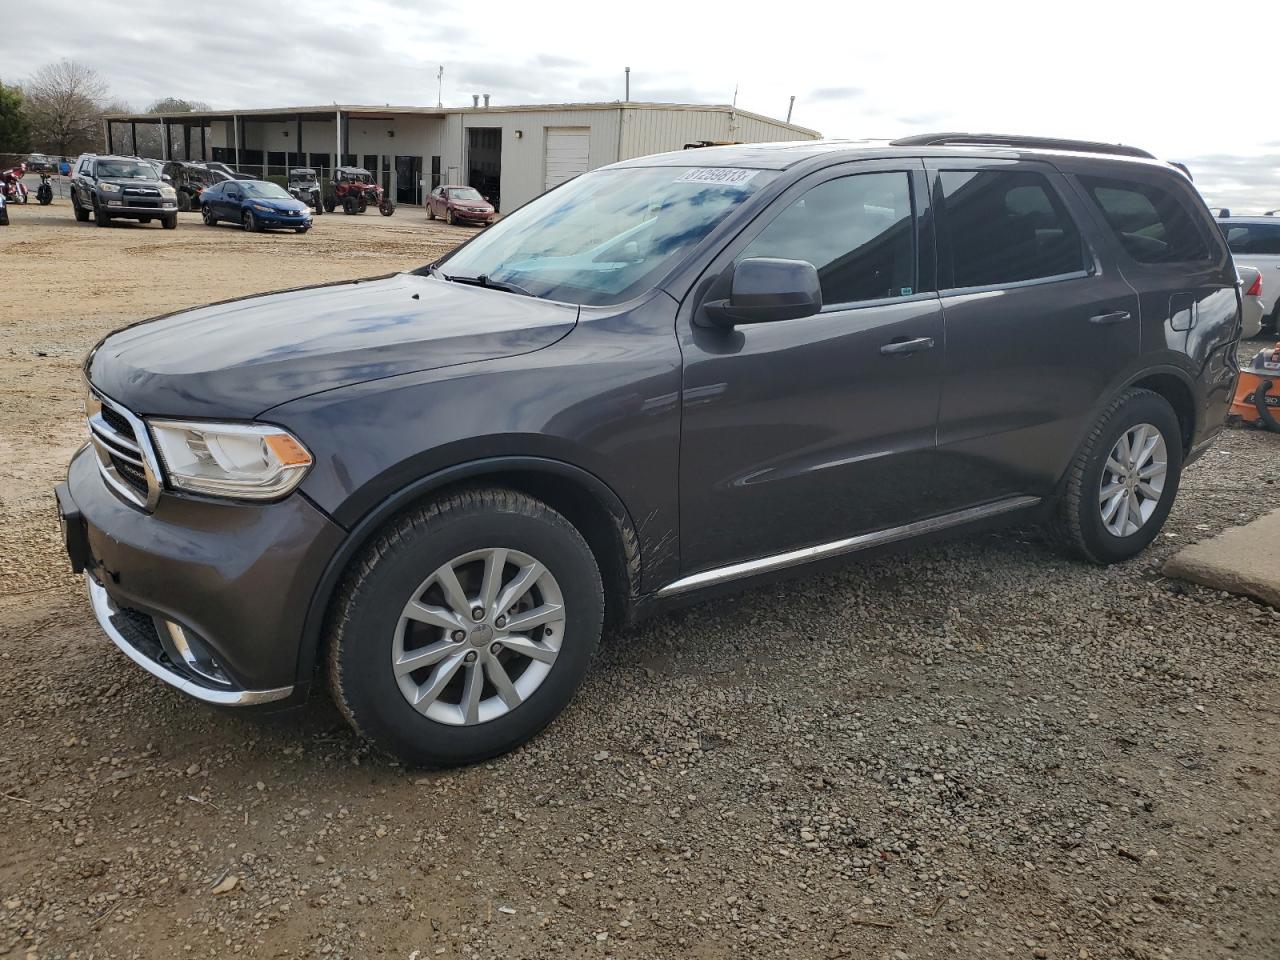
x=836 y=548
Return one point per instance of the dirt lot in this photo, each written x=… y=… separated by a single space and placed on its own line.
x=978 y=750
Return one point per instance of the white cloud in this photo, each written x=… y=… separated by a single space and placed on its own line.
x=1112 y=70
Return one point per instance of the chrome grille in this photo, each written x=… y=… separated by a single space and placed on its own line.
x=125 y=458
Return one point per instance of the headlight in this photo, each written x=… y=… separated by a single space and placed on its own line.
x=248 y=461
x=262 y=207
x=168 y=192
x=109 y=187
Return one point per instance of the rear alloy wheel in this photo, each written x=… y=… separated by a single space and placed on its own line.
x=480 y=655
x=1123 y=482
x=249 y=222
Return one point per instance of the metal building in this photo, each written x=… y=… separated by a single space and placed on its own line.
x=510 y=154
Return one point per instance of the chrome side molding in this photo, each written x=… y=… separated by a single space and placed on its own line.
x=835 y=548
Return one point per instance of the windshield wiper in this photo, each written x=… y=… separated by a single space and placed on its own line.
x=484 y=281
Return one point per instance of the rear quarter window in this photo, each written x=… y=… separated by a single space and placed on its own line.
x=1153 y=222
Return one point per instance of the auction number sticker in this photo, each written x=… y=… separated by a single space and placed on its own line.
x=725 y=176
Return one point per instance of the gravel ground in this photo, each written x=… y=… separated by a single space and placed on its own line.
x=980 y=749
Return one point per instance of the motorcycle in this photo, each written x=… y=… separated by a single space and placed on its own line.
x=15 y=190
x=44 y=193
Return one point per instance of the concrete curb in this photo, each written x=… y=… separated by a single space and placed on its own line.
x=1243 y=560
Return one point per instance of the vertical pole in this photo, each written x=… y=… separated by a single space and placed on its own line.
x=204 y=155
x=791 y=106
x=110 y=144
x=133 y=131
x=235 y=126
x=302 y=157
x=337 y=134
x=164 y=132
x=627 y=96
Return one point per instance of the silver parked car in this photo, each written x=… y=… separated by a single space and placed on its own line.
x=1255 y=242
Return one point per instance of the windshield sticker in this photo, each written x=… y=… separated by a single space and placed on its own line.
x=726 y=176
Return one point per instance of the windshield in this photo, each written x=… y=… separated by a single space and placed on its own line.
x=126 y=170
x=464 y=193
x=607 y=236
x=359 y=176
x=261 y=188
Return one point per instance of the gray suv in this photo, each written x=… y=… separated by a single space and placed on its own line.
x=121 y=188
x=669 y=377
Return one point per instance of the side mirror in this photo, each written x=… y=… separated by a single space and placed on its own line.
x=765 y=289
x=166 y=178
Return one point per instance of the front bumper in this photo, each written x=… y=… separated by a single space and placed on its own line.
x=279 y=218
x=208 y=596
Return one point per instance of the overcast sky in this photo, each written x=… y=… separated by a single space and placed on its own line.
x=1190 y=83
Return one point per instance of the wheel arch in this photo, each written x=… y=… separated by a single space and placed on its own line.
x=582 y=498
x=1176 y=388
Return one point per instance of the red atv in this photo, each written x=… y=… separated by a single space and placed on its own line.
x=353 y=189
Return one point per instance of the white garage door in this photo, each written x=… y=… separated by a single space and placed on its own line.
x=568 y=153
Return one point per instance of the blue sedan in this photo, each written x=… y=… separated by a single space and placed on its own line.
x=255 y=205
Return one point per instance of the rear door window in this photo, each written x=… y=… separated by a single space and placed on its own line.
x=1253 y=238
x=858 y=231
x=1153 y=223
x=1005 y=226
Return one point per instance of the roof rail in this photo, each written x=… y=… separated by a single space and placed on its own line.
x=1013 y=140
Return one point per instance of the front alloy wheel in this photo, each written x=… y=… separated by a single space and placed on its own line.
x=479 y=636
x=485 y=651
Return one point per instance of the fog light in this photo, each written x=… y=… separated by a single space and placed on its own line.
x=191 y=652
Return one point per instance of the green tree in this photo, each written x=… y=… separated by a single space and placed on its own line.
x=15 y=128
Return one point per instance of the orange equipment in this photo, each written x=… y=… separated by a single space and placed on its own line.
x=1257 y=399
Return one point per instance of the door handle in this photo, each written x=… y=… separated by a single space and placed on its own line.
x=1113 y=316
x=903 y=346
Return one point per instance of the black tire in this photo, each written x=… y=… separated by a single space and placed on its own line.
x=82 y=215
x=100 y=218
x=4 y=216
x=362 y=205
x=431 y=214
x=378 y=585
x=329 y=205
x=349 y=205
x=1077 y=520
x=449 y=218
x=169 y=221
x=317 y=205
x=184 y=201
x=206 y=213
x=249 y=222
x=386 y=208
x=45 y=195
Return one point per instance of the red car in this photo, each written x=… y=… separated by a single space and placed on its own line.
x=459 y=205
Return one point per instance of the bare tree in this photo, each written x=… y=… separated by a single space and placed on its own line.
x=176 y=105
x=64 y=103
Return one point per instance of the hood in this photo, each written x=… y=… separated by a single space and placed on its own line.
x=238 y=358
x=279 y=203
